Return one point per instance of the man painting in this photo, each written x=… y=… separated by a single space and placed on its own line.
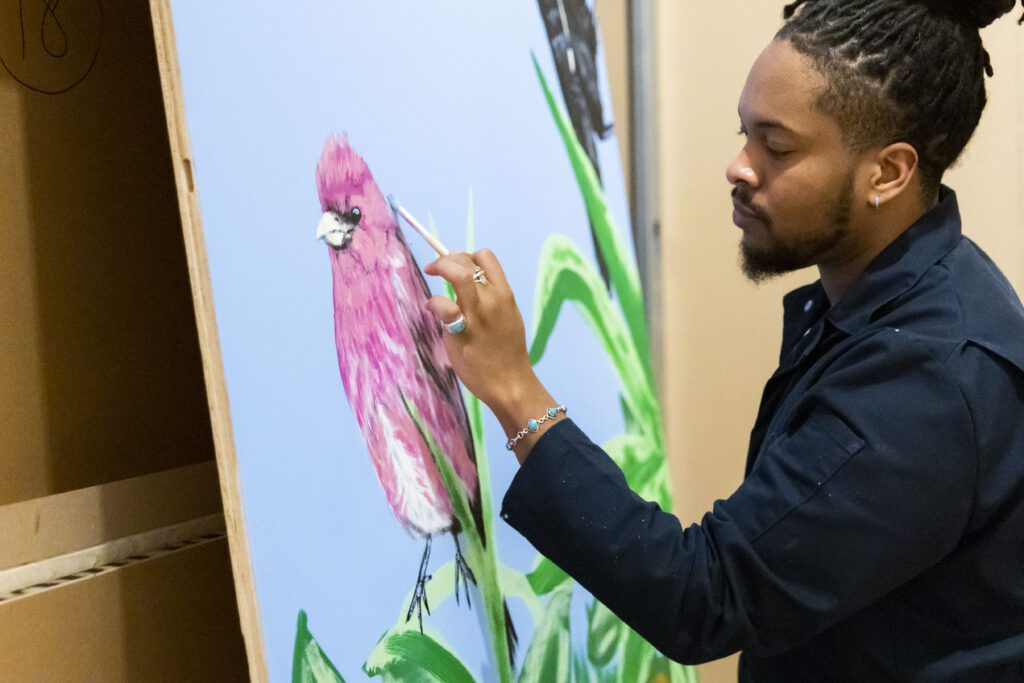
x=879 y=531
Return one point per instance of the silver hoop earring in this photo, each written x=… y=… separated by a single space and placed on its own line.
x=876 y=202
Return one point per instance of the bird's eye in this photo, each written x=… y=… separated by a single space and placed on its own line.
x=355 y=214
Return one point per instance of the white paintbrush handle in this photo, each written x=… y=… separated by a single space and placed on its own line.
x=418 y=227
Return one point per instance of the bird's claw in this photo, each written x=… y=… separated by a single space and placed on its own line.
x=462 y=569
x=419 y=593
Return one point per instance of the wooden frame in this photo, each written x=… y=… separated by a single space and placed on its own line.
x=216 y=387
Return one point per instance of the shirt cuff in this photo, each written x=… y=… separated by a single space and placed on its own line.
x=542 y=474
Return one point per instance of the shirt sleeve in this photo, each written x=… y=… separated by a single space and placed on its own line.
x=870 y=485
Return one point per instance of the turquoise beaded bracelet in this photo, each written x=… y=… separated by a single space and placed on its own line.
x=534 y=425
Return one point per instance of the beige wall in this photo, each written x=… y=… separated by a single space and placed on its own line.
x=612 y=19
x=989 y=177
x=722 y=333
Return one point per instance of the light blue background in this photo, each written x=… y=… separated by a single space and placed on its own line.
x=438 y=97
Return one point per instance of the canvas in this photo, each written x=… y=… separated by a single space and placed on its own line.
x=360 y=460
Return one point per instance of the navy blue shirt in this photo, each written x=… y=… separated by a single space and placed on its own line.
x=879 y=531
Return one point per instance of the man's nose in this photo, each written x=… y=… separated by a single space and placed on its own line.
x=740 y=170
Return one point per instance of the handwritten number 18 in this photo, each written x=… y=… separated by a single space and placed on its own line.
x=50 y=23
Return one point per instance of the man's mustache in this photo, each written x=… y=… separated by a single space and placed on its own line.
x=741 y=195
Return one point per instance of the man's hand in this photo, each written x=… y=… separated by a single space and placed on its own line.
x=489 y=355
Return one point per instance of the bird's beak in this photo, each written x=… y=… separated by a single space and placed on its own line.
x=326 y=223
x=334 y=231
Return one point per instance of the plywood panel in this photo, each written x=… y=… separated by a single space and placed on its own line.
x=169 y=619
x=102 y=377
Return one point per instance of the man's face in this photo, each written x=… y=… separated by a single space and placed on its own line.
x=793 y=181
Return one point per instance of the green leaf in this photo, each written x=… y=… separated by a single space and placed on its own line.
x=414 y=656
x=563 y=274
x=621 y=263
x=581 y=672
x=644 y=466
x=439 y=588
x=635 y=658
x=310 y=664
x=546 y=576
x=515 y=585
x=658 y=671
x=548 y=658
x=625 y=450
x=627 y=416
x=604 y=631
x=679 y=673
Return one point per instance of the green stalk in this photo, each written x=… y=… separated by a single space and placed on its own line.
x=482 y=559
x=488 y=583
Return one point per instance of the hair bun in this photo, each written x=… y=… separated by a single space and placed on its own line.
x=981 y=13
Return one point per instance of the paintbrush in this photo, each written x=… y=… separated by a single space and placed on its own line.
x=417 y=226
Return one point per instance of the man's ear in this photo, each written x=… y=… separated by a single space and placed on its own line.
x=895 y=168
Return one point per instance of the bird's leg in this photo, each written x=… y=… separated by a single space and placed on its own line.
x=419 y=593
x=456 y=569
x=462 y=568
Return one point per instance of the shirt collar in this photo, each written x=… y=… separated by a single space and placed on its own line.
x=900 y=265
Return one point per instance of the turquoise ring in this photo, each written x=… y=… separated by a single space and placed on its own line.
x=456 y=326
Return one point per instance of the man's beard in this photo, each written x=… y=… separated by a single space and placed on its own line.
x=760 y=264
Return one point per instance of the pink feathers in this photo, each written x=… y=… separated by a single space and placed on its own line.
x=341 y=171
x=389 y=346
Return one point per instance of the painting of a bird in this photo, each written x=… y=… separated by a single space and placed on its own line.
x=390 y=351
x=572 y=34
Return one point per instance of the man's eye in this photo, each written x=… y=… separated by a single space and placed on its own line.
x=777 y=154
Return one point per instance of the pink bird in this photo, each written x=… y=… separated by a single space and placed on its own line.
x=389 y=346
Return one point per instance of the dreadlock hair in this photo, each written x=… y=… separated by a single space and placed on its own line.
x=899 y=71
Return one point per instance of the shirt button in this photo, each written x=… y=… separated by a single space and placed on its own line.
x=808 y=305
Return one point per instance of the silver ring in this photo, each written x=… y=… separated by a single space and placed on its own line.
x=480 y=277
x=456 y=326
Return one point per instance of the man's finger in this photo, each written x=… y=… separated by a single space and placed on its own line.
x=486 y=259
x=446 y=310
x=453 y=269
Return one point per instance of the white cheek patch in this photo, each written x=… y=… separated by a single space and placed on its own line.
x=338 y=238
